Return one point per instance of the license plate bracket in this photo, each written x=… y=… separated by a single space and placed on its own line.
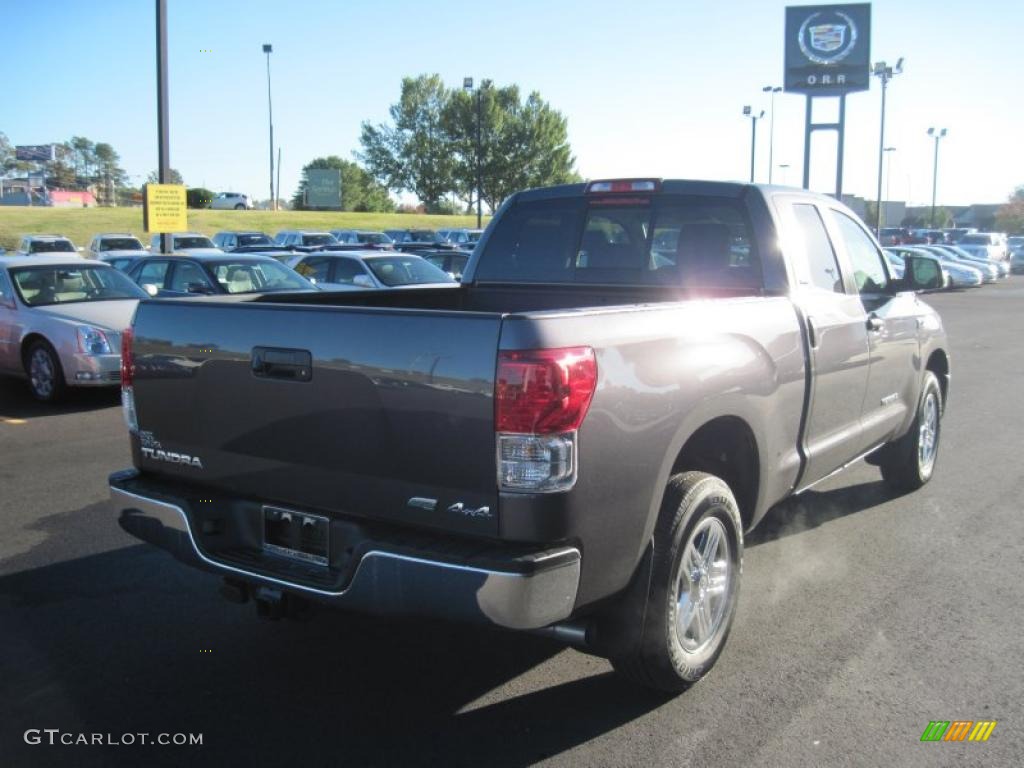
x=297 y=535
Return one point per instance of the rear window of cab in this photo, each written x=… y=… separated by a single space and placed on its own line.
x=684 y=241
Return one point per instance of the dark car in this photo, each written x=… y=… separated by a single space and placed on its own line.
x=229 y=241
x=452 y=262
x=122 y=263
x=186 y=275
x=892 y=235
x=374 y=241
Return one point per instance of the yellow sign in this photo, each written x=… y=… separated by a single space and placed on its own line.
x=164 y=208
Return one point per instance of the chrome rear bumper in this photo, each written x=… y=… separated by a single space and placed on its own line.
x=387 y=583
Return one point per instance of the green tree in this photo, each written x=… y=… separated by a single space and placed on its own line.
x=1010 y=217
x=60 y=172
x=173 y=178
x=83 y=157
x=109 y=174
x=7 y=162
x=359 y=190
x=522 y=143
x=412 y=153
x=198 y=197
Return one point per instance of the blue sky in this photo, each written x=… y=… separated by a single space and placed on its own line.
x=649 y=87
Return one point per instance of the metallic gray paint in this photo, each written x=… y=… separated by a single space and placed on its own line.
x=417 y=384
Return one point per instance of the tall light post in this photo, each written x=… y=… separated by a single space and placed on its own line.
x=941 y=134
x=753 y=136
x=467 y=84
x=884 y=73
x=772 y=89
x=784 y=167
x=268 y=49
x=888 y=176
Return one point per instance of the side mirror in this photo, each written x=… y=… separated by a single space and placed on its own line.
x=922 y=274
x=363 y=281
x=151 y=289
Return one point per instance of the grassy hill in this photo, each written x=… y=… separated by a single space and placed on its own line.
x=80 y=224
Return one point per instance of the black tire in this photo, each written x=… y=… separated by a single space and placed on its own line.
x=44 y=372
x=909 y=463
x=695 y=504
x=239 y=207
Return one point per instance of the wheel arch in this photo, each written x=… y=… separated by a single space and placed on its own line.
x=726 y=447
x=26 y=344
x=938 y=363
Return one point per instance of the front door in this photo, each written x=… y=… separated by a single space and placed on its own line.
x=892 y=318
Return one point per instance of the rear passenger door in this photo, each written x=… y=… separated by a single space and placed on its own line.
x=891 y=321
x=837 y=338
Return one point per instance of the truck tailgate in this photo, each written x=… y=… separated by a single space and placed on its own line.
x=391 y=419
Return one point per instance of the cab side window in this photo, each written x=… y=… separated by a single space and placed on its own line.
x=869 y=272
x=821 y=263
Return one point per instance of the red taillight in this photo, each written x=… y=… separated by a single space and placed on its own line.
x=127 y=359
x=544 y=391
x=623 y=186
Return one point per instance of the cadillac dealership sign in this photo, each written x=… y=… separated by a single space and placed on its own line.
x=828 y=48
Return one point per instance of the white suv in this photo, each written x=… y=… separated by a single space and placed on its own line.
x=988 y=245
x=33 y=244
x=231 y=201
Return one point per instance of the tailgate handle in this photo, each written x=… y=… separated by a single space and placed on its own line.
x=278 y=363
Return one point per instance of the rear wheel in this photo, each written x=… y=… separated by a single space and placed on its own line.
x=45 y=375
x=698 y=556
x=909 y=463
x=239 y=207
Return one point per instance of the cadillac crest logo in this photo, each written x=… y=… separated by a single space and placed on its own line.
x=827 y=37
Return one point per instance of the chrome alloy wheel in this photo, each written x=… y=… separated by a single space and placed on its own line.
x=41 y=373
x=703 y=587
x=928 y=435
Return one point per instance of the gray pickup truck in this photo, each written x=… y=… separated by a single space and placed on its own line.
x=572 y=441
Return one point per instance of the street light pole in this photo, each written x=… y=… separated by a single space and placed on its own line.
x=935 y=167
x=884 y=73
x=772 y=89
x=162 y=116
x=467 y=84
x=268 y=49
x=888 y=175
x=753 y=136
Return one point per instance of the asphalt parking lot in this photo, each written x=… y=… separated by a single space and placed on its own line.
x=862 y=617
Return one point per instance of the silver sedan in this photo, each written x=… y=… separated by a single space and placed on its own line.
x=61 y=320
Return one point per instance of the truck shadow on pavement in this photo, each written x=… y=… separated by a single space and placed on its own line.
x=16 y=402
x=814 y=508
x=130 y=641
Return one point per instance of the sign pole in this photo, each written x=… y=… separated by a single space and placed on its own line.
x=163 y=123
x=807 y=140
x=839 y=150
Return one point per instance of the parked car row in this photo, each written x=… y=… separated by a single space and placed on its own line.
x=75 y=338
x=996 y=242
